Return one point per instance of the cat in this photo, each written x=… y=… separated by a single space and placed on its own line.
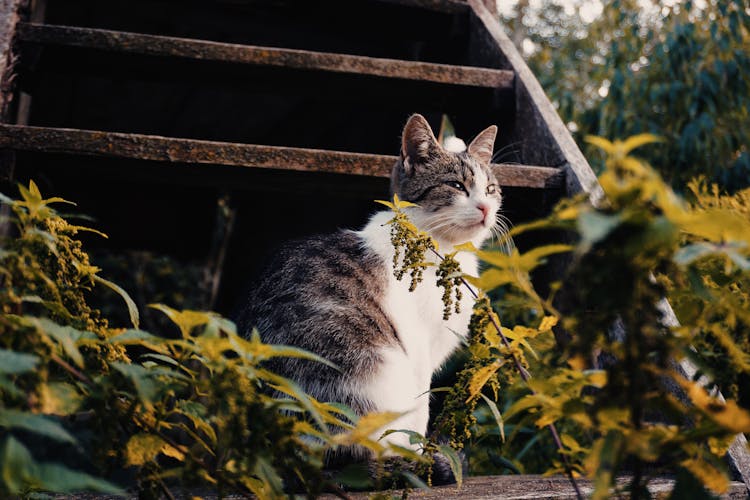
x=336 y=295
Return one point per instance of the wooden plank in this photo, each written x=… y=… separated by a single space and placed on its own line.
x=529 y=486
x=447 y=6
x=164 y=46
x=190 y=151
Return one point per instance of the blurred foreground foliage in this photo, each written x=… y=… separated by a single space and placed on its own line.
x=616 y=390
x=85 y=406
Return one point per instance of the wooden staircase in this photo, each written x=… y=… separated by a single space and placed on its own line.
x=149 y=112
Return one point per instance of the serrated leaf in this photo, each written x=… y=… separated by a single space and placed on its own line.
x=143 y=448
x=414 y=437
x=480 y=378
x=186 y=320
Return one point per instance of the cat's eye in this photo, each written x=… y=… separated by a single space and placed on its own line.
x=491 y=189
x=457 y=185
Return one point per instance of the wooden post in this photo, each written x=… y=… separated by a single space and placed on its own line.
x=10 y=15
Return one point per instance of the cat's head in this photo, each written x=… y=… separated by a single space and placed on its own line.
x=457 y=194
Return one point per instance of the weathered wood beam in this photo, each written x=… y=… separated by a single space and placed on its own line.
x=190 y=151
x=448 y=6
x=539 y=124
x=9 y=19
x=535 y=487
x=165 y=46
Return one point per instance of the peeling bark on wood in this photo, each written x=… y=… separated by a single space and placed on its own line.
x=156 y=45
x=189 y=151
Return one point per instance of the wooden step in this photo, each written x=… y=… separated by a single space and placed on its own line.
x=449 y=6
x=164 y=46
x=190 y=151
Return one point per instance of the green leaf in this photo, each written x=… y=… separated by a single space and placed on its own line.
x=495 y=413
x=38 y=424
x=66 y=336
x=290 y=388
x=480 y=378
x=146 y=388
x=143 y=448
x=142 y=338
x=19 y=473
x=414 y=437
x=688 y=487
x=60 y=398
x=13 y=363
x=355 y=476
x=639 y=140
x=454 y=461
x=412 y=479
x=273 y=486
x=595 y=226
x=690 y=253
x=132 y=308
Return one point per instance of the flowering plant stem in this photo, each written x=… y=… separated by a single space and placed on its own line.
x=525 y=376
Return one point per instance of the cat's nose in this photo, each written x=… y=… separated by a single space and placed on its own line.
x=485 y=209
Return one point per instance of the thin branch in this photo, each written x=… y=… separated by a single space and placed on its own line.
x=70 y=369
x=525 y=376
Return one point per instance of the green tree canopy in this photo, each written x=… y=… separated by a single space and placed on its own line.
x=679 y=69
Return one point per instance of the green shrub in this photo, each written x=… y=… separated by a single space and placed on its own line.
x=636 y=412
x=86 y=406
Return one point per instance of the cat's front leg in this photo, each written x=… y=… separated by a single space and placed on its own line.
x=396 y=387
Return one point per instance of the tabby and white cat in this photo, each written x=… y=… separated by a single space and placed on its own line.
x=336 y=295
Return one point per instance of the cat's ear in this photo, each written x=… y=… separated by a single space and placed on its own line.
x=418 y=143
x=482 y=146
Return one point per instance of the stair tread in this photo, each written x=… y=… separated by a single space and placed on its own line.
x=449 y=6
x=157 y=45
x=194 y=151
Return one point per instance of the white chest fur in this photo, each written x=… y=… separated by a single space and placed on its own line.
x=426 y=339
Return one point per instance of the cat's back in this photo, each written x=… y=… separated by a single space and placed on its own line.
x=323 y=294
